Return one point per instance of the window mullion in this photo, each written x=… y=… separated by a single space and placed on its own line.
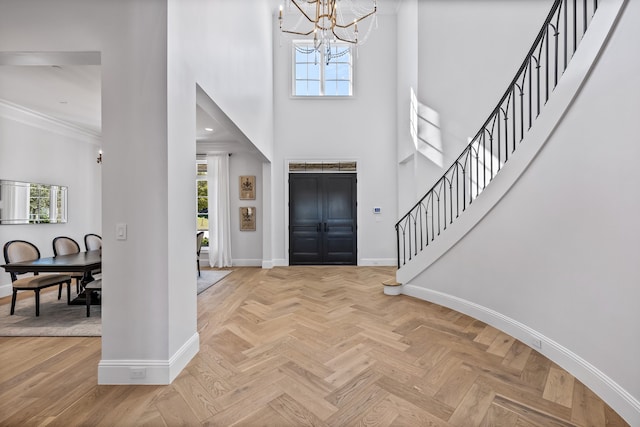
x=322 y=82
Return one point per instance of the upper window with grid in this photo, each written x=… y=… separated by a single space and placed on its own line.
x=324 y=71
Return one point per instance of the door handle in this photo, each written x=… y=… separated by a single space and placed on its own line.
x=326 y=227
x=318 y=227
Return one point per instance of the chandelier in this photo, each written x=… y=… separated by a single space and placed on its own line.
x=329 y=21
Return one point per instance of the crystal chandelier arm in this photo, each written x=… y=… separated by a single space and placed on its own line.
x=355 y=21
x=295 y=3
x=298 y=33
x=342 y=39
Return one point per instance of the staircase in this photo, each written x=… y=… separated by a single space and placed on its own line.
x=533 y=268
x=497 y=140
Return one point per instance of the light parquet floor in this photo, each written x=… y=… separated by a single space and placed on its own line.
x=308 y=346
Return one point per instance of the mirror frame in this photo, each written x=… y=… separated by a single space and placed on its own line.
x=35 y=199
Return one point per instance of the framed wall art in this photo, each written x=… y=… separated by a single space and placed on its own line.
x=248 y=218
x=247 y=187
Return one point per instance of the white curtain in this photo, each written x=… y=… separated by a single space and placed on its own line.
x=219 y=215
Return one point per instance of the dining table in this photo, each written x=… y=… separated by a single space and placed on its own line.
x=85 y=262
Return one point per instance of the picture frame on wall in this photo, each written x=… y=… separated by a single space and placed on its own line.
x=248 y=218
x=247 y=187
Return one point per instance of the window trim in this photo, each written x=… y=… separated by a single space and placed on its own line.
x=293 y=79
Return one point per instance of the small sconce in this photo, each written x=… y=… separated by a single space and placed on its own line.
x=99 y=159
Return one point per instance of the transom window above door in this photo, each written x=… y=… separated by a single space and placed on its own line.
x=322 y=72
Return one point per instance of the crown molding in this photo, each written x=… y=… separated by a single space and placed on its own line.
x=35 y=119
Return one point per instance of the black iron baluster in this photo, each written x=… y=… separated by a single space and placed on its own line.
x=566 y=33
x=538 y=81
x=575 y=27
x=477 y=173
x=555 y=61
x=457 y=186
x=419 y=215
x=545 y=41
x=521 y=112
x=506 y=133
x=513 y=118
x=484 y=161
x=497 y=120
x=415 y=236
x=530 y=93
x=584 y=17
x=398 y=244
x=451 y=201
x=433 y=231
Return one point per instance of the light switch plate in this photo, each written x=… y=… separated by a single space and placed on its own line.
x=121 y=231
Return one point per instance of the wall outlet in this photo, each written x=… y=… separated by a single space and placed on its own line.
x=137 y=373
x=536 y=342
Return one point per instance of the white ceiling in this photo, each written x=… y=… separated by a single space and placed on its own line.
x=70 y=93
x=66 y=87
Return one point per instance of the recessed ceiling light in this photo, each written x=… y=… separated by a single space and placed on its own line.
x=209 y=129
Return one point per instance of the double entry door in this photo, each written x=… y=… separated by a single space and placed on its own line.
x=322 y=218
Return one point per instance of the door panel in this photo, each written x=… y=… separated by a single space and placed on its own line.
x=305 y=219
x=322 y=218
x=339 y=218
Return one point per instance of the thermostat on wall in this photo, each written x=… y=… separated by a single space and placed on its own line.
x=377 y=210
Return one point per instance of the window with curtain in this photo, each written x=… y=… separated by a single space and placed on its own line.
x=202 y=198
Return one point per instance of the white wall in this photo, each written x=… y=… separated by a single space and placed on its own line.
x=407 y=81
x=468 y=52
x=361 y=129
x=559 y=253
x=34 y=148
x=246 y=246
x=226 y=45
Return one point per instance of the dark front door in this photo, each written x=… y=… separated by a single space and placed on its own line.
x=322 y=218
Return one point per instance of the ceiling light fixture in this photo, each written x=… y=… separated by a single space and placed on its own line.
x=331 y=21
x=209 y=129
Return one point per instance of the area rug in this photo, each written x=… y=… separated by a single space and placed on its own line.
x=57 y=319
x=209 y=278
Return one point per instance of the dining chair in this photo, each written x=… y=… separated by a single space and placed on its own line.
x=199 y=238
x=90 y=289
x=63 y=245
x=20 y=251
x=92 y=242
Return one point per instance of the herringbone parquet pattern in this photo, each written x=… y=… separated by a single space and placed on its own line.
x=316 y=346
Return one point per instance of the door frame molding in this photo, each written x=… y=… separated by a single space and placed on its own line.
x=287 y=162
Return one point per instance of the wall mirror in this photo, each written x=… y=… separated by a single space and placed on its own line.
x=31 y=203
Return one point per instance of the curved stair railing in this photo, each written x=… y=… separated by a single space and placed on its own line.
x=501 y=133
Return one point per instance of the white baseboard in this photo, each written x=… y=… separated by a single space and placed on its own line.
x=608 y=390
x=247 y=262
x=365 y=262
x=372 y=262
x=157 y=372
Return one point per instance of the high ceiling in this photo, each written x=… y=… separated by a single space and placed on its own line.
x=66 y=87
